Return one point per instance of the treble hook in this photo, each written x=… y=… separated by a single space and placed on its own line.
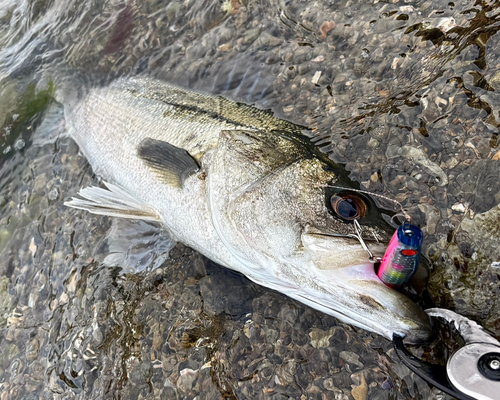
x=358 y=229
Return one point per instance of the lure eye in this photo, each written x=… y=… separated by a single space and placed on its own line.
x=348 y=207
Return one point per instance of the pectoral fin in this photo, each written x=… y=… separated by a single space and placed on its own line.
x=172 y=164
x=113 y=201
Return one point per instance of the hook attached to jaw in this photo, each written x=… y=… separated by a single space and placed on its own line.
x=359 y=236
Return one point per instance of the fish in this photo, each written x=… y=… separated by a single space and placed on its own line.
x=248 y=190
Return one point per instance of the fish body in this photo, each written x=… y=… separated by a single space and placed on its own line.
x=243 y=188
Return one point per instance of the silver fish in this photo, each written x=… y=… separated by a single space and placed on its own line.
x=243 y=188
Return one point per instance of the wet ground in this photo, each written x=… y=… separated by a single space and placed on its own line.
x=404 y=93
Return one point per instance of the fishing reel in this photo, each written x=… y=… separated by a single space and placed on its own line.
x=472 y=372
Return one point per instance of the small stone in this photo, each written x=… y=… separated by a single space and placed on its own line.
x=32 y=247
x=32 y=349
x=157 y=340
x=320 y=338
x=250 y=35
x=420 y=158
x=53 y=194
x=303 y=69
x=395 y=62
x=186 y=379
x=19 y=144
x=71 y=285
x=451 y=163
x=351 y=358
x=318 y=59
x=64 y=298
x=268 y=391
x=432 y=216
x=225 y=47
x=241 y=18
x=288 y=109
x=326 y=27
x=387 y=384
x=373 y=143
x=328 y=385
x=10 y=351
x=445 y=24
x=496 y=156
x=360 y=392
x=401 y=197
x=406 y=9
x=266 y=39
x=459 y=207
x=315 y=78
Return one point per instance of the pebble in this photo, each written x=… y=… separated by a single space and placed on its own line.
x=326 y=27
x=420 y=158
x=266 y=39
x=315 y=78
x=445 y=24
x=32 y=247
x=19 y=144
x=459 y=207
x=387 y=384
x=360 y=392
x=432 y=216
x=373 y=143
x=53 y=194
x=186 y=379
x=318 y=59
x=351 y=358
x=320 y=338
x=32 y=349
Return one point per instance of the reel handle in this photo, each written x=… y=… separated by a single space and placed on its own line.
x=472 y=372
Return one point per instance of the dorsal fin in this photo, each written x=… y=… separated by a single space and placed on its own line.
x=172 y=164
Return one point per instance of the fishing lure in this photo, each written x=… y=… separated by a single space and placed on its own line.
x=400 y=261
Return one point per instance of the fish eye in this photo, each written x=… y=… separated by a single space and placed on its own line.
x=348 y=206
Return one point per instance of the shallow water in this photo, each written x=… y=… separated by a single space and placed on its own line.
x=402 y=93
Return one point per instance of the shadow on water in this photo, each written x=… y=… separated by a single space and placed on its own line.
x=403 y=94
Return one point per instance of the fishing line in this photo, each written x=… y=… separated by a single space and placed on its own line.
x=402 y=213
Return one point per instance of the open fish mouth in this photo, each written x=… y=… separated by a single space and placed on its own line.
x=347 y=287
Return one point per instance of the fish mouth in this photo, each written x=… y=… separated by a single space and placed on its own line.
x=347 y=287
x=415 y=330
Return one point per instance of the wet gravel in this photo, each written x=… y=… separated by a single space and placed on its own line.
x=401 y=92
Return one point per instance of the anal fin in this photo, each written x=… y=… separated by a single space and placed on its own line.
x=112 y=201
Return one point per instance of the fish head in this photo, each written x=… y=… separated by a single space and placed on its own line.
x=287 y=215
